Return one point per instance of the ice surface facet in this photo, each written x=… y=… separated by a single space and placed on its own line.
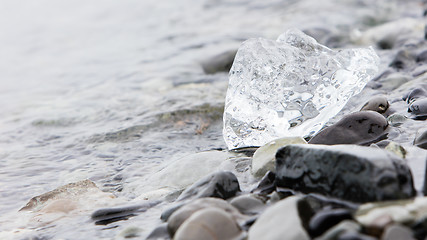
x=290 y=87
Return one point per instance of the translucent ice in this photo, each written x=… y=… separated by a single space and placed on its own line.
x=290 y=87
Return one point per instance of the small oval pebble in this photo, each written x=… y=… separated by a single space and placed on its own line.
x=419 y=109
x=247 y=204
x=415 y=94
x=378 y=104
x=356 y=128
x=209 y=223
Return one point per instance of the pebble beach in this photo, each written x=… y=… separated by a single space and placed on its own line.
x=112 y=124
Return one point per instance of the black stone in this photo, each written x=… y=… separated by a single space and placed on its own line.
x=349 y=172
x=219 y=63
x=305 y=213
x=106 y=216
x=267 y=184
x=324 y=220
x=220 y=185
x=420 y=229
x=361 y=128
x=378 y=104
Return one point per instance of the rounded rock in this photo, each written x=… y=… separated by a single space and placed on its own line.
x=222 y=184
x=264 y=157
x=416 y=93
x=247 y=204
x=378 y=104
x=279 y=221
x=209 y=223
x=185 y=212
x=397 y=232
x=419 y=109
x=356 y=128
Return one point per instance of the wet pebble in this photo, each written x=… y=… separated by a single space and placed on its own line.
x=325 y=219
x=349 y=172
x=219 y=63
x=396 y=119
x=267 y=184
x=419 y=92
x=418 y=109
x=248 y=204
x=209 y=224
x=220 y=185
x=397 y=232
x=105 y=216
x=264 y=157
x=182 y=214
x=397 y=149
x=356 y=128
x=378 y=104
x=346 y=226
x=280 y=220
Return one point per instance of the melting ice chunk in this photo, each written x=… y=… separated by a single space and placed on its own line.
x=290 y=87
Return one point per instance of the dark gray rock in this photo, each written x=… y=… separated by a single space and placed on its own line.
x=420 y=229
x=378 y=104
x=105 y=216
x=362 y=128
x=349 y=172
x=325 y=219
x=220 y=185
x=418 y=108
x=397 y=232
x=267 y=184
x=219 y=63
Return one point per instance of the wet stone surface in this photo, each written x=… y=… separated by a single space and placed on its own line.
x=354 y=173
x=362 y=128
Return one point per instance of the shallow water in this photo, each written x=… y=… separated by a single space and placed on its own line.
x=112 y=91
